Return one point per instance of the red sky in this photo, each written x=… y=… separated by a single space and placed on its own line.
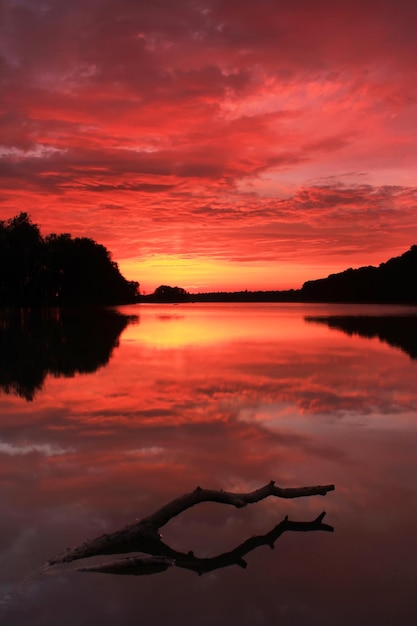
x=214 y=143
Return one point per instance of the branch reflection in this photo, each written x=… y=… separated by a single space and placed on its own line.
x=165 y=556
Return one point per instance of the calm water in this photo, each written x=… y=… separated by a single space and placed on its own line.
x=105 y=419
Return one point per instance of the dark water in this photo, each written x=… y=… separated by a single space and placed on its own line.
x=105 y=418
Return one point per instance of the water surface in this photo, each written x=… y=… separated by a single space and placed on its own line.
x=104 y=420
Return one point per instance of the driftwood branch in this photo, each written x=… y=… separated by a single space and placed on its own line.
x=238 y=500
x=143 y=536
x=139 y=566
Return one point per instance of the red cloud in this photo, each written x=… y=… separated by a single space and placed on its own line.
x=225 y=119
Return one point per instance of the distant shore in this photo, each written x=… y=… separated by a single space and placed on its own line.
x=62 y=271
x=392 y=282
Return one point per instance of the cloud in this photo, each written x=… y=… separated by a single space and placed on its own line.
x=43 y=449
x=256 y=111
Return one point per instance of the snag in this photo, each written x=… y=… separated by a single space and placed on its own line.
x=143 y=536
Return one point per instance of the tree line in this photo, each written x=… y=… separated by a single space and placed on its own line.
x=57 y=270
x=394 y=281
x=390 y=282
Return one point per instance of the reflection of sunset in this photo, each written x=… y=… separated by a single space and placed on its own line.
x=177 y=326
x=201 y=395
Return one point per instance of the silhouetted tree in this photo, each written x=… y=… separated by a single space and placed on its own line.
x=82 y=271
x=393 y=281
x=21 y=260
x=57 y=270
x=165 y=293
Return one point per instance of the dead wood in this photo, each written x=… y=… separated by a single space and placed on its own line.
x=143 y=536
x=139 y=566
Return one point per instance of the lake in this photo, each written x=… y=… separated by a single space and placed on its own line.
x=107 y=417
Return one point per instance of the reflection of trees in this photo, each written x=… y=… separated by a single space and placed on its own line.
x=399 y=331
x=35 y=343
x=144 y=537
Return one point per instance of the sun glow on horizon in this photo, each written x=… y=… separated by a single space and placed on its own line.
x=240 y=160
x=201 y=274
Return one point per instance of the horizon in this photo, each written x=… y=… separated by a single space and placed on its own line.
x=233 y=289
x=217 y=146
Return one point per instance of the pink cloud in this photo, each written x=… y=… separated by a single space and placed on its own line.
x=214 y=114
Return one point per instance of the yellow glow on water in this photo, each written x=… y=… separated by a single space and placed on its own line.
x=173 y=326
x=171 y=330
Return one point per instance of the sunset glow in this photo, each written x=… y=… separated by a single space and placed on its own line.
x=215 y=145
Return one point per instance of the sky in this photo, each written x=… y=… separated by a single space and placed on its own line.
x=214 y=144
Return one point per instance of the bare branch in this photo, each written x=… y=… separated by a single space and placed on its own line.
x=238 y=500
x=139 y=566
x=143 y=536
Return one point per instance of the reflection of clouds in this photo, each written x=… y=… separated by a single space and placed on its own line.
x=141 y=395
x=44 y=449
x=146 y=452
x=233 y=414
x=197 y=328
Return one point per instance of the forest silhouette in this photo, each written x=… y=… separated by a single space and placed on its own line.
x=394 y=281
x=57 y=270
